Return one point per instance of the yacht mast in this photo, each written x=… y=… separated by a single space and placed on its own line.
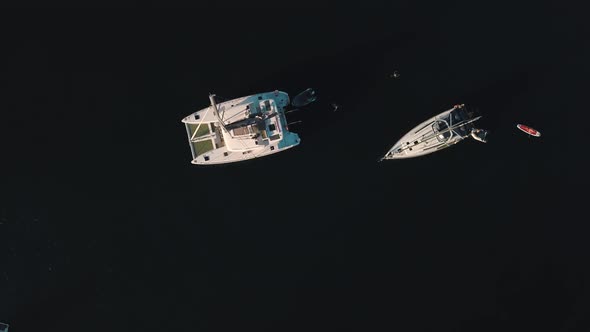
x=216 y=112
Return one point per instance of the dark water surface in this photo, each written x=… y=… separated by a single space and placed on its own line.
x=107 y=226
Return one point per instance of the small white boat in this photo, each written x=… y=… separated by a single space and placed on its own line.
x=439 y=132
x=240 y=129
x=304 y=98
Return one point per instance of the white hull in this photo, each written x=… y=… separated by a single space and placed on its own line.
x=253 y=126
x=441 y=131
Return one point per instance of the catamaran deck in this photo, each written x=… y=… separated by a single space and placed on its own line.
x=253 y=126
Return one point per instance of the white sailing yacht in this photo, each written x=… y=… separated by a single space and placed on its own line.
x=441 y=131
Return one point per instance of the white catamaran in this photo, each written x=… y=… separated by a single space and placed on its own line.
x=441 y=131
x=240 y=129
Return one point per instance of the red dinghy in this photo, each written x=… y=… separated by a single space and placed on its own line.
x=528 y=130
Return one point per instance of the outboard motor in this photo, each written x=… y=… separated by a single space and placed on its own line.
x=479 y=134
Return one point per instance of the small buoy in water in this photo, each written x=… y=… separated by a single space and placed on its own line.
x=394 y=75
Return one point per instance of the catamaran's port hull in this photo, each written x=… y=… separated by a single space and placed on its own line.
x=237 y=156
